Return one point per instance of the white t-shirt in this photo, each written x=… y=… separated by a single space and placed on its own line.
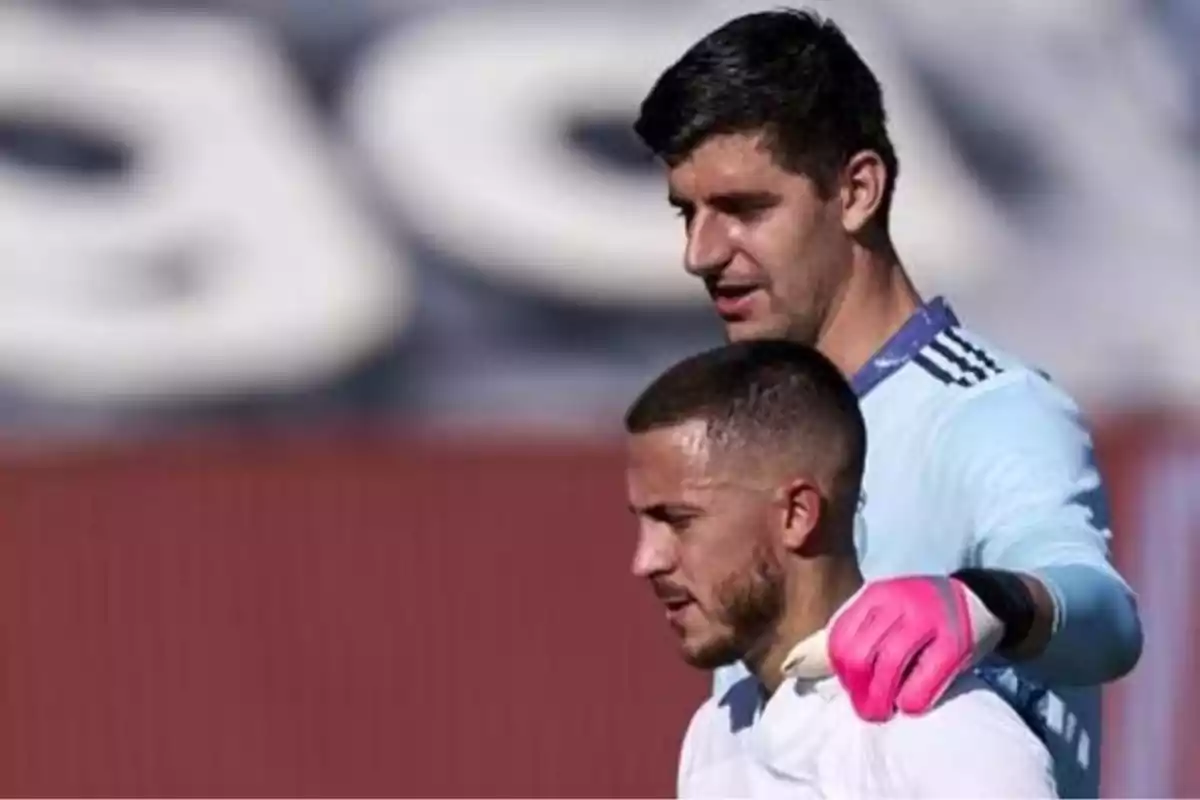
x=807 y=742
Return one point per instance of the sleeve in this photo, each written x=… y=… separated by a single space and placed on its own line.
x=971 y=745
x=1019 y=461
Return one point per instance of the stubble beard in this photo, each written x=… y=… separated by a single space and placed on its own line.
x=749 y=607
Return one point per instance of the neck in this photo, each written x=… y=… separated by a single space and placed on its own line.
x=875 y=303
x=812 y=600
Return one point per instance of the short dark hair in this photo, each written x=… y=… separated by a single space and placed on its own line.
x=757 y=395
x=790 y=74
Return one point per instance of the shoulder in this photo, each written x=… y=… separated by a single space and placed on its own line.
x=959 y=359
x=969 y=706
x=967 y=370
x=971 y=744
x=985 y=399
x=961 y=376
x=712 y=733
x=968 y=402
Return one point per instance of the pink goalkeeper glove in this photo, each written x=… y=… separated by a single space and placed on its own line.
x=900 y=643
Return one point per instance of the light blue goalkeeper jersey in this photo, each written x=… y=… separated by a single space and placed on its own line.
x=974 y=459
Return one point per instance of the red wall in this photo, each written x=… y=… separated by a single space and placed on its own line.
x=343 y=617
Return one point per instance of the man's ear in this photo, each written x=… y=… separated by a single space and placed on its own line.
x=801 y=508
x=864 y=185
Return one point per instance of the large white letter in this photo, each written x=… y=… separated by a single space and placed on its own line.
x=229 y=257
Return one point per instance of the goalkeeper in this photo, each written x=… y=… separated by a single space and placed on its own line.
x=983 y=532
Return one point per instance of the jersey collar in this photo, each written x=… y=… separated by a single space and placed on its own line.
x=926 y=323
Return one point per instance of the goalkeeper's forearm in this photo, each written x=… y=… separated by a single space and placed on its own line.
x=1077 y=624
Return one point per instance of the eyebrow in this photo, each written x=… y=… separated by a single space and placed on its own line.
x=664 y=510
x=732 y=200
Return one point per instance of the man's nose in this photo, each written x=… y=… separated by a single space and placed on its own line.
x=708 y=247
x=654 y=554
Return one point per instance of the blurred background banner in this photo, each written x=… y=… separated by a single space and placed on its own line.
x=316 y=324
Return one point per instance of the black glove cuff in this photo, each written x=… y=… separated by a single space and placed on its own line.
x=1006 y=596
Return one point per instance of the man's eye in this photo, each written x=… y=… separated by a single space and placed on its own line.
x=751 y=213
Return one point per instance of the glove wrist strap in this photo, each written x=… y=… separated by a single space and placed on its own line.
x=1006 y=596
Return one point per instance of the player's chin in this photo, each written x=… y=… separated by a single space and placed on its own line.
x=708 y=653
x=755 y=329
